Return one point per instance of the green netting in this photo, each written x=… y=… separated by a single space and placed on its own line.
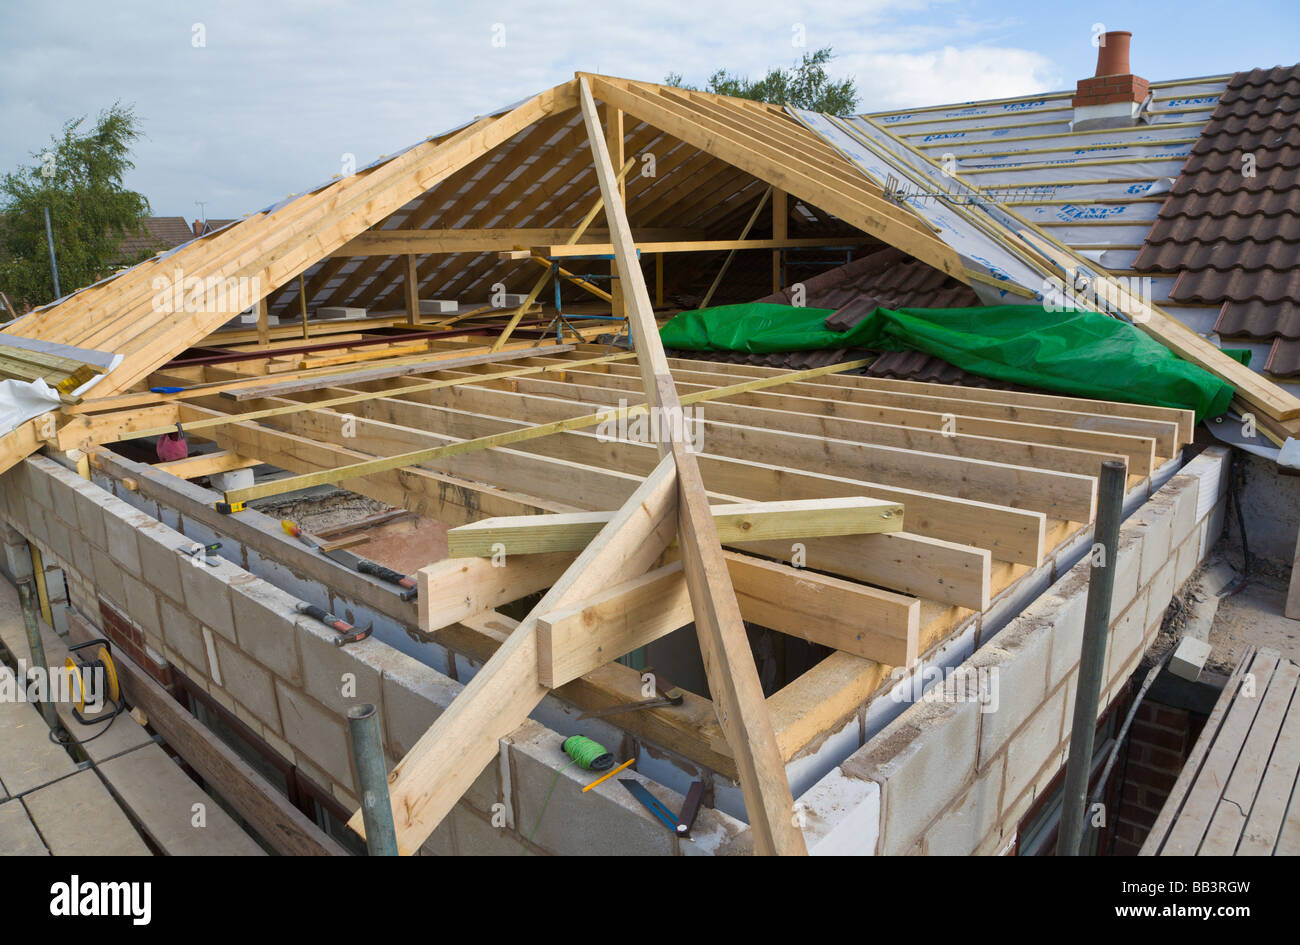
x=1081 y=353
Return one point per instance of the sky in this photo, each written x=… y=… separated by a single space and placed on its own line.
x=245 y=101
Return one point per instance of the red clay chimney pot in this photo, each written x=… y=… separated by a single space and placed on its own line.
x=1112 y=55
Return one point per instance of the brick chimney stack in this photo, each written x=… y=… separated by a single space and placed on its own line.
x=1113 y=96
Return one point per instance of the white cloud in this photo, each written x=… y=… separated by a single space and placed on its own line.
x=950 y=75
x=281 y=91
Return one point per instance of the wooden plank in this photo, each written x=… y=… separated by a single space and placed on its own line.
x=205 y=464
x=423 y=366
x=412 y=286
x=1186 y=419
x=870 y=214
x=263 y=324
x=590 y=632
x=573 y=238
x=900 y=560
x=406 y=241
x=1191 y=824
x=697 y=246
x=726 y=263
x=453 y=752
x=809 y=518
x=86 y=434
x=728 y=662
x=457 y=588
x=280 y=823
x=864 y=621
x=1265 y=773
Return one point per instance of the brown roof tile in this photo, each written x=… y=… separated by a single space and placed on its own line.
x=161 y=234
x=1233 y=239
x=1283 y=358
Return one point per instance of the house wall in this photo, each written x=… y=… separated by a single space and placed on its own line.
x=238 y=638
x=945 y=777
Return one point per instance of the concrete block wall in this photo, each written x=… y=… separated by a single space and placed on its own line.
x=947 y=777
x=239 y=638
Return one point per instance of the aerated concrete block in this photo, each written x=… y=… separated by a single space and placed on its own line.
x=327 y=669
x=1189 y=659
x=122 y=545
x=266 y=626
x=1033 y=747
x=605 y=821
x=1184 y=492
x=922 y=760
x=181 y=633
x=90 y=520
x=316 y=733
x=248 y=683
x=960 y=829
x=38 y=483
x=207 y=596
x=108 y=579
x=161 y=559
x=142 y=607
x=1126 y=639
x=1068 y=603
x=1014 y=667
x=841 y=816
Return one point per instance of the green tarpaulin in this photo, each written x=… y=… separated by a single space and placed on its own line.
x=1081 y=353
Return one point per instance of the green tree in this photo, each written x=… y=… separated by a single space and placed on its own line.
x=79 y=178
x=803 y=85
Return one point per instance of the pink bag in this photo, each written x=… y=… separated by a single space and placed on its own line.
x=173 y=446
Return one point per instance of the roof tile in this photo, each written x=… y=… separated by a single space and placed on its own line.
x=1234 y=238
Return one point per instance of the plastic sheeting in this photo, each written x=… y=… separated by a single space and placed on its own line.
x=20 y=401
x=1081 y=353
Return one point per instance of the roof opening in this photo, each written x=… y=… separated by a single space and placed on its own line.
x=1114 y=97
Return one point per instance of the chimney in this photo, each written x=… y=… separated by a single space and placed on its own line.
x=1114 y=96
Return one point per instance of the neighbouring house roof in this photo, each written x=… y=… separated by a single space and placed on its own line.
x=160 y=234
x=1233 y=239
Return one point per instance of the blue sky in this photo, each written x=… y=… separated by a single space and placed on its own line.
x=277 y=93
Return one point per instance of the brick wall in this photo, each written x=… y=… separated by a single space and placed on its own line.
x=1159 y=742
